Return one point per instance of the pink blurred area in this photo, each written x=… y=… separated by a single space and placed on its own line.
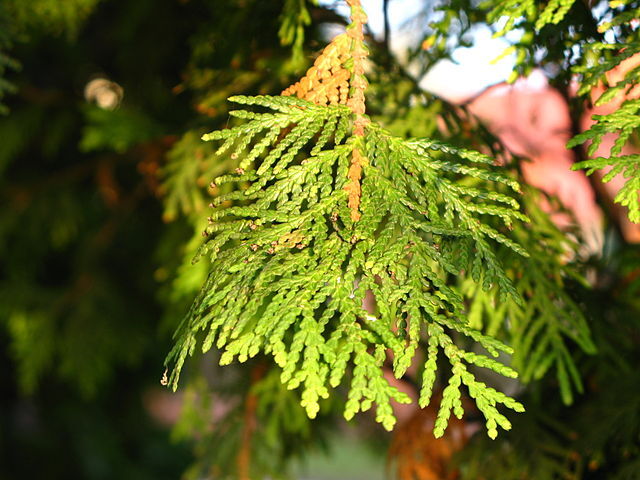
x=532 y=120
x=630 y=231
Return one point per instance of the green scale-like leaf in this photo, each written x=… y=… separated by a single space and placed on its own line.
x=291 y=269
x=543 y=329
x=623 y=123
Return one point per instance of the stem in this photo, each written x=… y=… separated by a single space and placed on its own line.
x=387 y=27
x=359 y=54
x=243 y=459
x=356 y=103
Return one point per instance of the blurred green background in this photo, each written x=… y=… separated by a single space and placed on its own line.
x=104 y=188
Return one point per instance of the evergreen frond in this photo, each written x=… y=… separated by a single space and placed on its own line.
x=624 y=122
x=291 y=267
x=190 y=162
x=295 y=17
x=611 y=56
x=553 y=12
x=515 y=13
x=543 y=329
x=512 y=10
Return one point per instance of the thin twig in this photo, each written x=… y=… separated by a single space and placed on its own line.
x=387 y=29
x=249 y=425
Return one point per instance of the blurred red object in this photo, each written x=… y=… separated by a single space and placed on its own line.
x=532 y=120
x=630 y=231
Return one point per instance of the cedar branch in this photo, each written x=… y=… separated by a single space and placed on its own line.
x=356 y=103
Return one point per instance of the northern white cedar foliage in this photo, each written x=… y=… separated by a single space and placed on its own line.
x=329 y=207
x=417 y=258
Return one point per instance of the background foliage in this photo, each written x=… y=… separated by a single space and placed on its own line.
x=105 y=193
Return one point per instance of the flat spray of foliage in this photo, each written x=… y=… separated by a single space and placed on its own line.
x=333 y=254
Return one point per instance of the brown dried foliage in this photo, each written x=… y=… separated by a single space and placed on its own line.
x=416 y=454
x=337 y=78
x=327 y=82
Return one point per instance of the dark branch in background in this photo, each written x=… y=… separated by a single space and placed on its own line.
x=326 y=15
x=387 y=29
x=249 y=425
